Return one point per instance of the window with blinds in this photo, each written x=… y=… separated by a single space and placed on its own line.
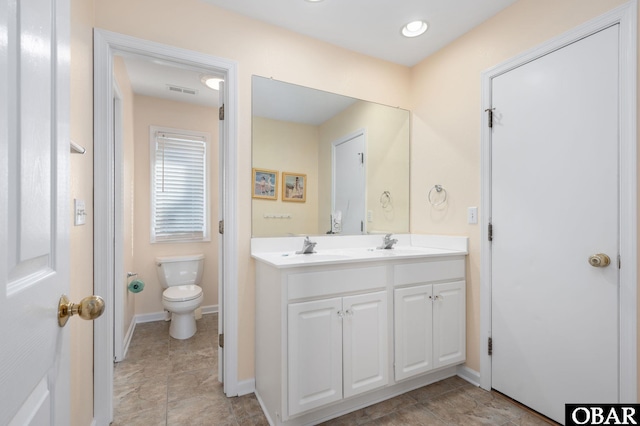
x=179 y=186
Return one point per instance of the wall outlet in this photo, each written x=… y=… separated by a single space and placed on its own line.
x=472 y=215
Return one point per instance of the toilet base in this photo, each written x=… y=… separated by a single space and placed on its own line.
x=183 y=326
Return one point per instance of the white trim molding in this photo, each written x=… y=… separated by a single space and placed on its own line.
x=245 y=387
x=625 y=16
x=471 y=376
x=106 y=44
x=166 y=316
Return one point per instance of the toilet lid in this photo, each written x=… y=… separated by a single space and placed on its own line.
x=182 y=293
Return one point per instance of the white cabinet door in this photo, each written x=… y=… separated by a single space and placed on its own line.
x=315 y=354
x=413 y=331
x=365 y=343
x=448 y=323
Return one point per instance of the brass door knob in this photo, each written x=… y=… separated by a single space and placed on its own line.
x=89 y=308
x=599 y=260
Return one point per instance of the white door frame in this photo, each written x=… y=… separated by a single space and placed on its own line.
x=106 y=44
x=118 y=208
x=346 y=138
x=625 y=16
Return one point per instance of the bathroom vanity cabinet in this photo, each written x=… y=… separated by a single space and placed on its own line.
x=337 y=348
x=339 y=334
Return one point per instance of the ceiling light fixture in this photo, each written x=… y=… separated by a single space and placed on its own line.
x=211 y=82
x=414 y=29
x=314 y=1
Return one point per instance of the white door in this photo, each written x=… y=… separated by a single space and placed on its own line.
x=365 y=342
x=449 y=315
x=314 y=354
x=413 y=330
x=349 y=193
x=34 y=211
x=554 y=204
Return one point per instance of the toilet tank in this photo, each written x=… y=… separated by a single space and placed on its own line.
x=180 y=270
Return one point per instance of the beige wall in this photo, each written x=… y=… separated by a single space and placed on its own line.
x=447 y=122
x=387 y=153
x=127 y=97
x=81 y=237
x=176 y=115
x=264 y=50
x=289 y=147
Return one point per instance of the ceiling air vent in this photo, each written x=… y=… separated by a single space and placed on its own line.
x=179 y=89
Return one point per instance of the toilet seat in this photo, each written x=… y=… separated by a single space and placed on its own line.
x=182 y=293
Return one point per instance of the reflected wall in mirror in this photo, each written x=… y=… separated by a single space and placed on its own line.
x=354 y=153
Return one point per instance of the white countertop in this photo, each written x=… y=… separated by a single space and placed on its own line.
x=358 y=250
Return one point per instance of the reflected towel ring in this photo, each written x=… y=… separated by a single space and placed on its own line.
x=432 y=197
x=385 y=199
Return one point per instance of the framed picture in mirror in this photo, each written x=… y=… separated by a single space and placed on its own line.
x=265 y=184
x=294 y=187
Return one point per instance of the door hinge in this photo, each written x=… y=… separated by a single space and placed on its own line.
x=221 y=227
x=221 y=340
x=361 y=157
x=619 y=262
x=221 y=112
x=490 y=234
x=490 y=346
x=490 y=116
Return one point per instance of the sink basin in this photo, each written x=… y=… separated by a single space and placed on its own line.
x=315 y=257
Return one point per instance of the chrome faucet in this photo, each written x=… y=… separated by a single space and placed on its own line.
x=388 y=242
x=307 y=246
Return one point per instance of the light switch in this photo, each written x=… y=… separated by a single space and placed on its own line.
x=79 y=214
x=369 y=215
x=472 y=215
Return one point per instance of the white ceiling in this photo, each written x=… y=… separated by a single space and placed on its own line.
x=150 y=77
x=294 y=103
x=373 y=27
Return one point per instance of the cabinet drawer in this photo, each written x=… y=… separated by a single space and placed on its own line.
x=414 y=273
x=323 y=283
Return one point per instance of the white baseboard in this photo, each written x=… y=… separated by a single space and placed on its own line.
x=156 y=316
x=469 y=375
x=211 y=309
x=246 y=387
x=127 y=338
x=162 y=315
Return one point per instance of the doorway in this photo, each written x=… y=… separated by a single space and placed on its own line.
x=106 y=45
x=348 y=199
x=559 y=191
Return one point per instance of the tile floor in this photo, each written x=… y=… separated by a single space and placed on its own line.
x=168 y=382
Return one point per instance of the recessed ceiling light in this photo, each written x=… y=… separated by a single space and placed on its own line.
x=414 y=29
x=314 y=1
x=211 y=82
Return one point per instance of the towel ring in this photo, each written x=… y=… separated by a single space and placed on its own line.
x=432 y=196
x=385 y=199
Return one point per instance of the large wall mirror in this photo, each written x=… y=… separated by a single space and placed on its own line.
x=326 y=164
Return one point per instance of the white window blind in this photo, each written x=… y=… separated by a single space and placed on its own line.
x=180 y=199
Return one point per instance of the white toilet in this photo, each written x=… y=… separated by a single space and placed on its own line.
x=180 y=276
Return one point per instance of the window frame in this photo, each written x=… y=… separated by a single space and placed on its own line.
x=187 y=134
